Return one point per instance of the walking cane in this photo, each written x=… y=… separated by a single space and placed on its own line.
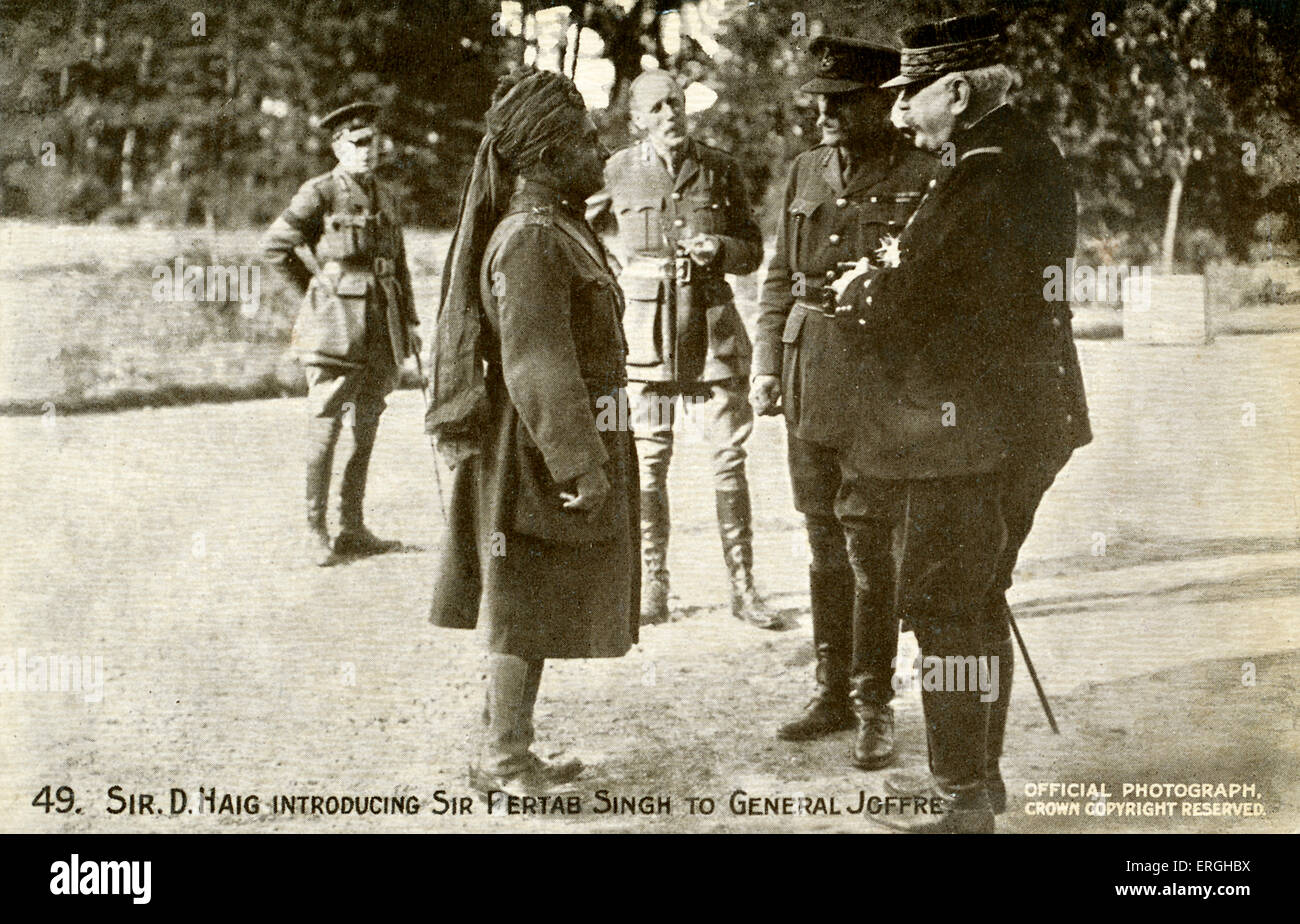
x=1033 y=675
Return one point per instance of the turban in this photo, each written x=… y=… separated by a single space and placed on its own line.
x=530 y=110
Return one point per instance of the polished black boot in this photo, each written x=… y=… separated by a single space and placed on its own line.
x=735 y=525
x=831 y=595
x=1005 y=652
x=873 y=746
x=958 y=728
x=917 y=782
x=654 y=556
x=875 y=643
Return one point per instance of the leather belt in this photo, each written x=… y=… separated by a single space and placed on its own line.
x=380 y=266
x=817 y=307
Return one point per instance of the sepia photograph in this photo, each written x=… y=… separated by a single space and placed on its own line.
x=650 y=417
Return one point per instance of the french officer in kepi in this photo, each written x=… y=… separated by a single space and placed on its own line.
x=684 y=221
x=973 y=398
x=843 y=200
x=340 y=244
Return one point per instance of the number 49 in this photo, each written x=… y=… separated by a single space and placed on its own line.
x=63 y=796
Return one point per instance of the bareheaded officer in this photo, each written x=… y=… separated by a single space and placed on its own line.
x=684 y=221
x=843 y=201
x=339 y=243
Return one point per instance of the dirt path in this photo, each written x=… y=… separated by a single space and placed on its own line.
x=1159 y=596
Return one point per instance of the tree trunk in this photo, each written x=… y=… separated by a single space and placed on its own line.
x=1171 y=221
x=578 y=19
x=128 y=172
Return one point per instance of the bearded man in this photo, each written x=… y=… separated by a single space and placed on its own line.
x=542 y=538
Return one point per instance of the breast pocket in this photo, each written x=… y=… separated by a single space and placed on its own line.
x=704 y=214
x=642 y=295
x=797 y=219
x=639 y=224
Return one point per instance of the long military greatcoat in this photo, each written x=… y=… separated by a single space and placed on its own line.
x=550 y=583
x=963 y=357
x=825 y=222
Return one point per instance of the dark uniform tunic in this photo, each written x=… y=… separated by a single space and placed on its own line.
x=351 y=225
x=971 y=384
x=826 y=221
x=549 y=582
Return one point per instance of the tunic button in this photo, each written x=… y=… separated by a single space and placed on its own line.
x=868 y=299
x=841 y=202
x=677 y=195
x=1056 y=322
x=875 y=198
x=715 y=206
x=933 y=183
x=1069 y=418
x=835 y=238
x=1060 y=370
x=830 y=274
x=862 y=321
x=678 y=222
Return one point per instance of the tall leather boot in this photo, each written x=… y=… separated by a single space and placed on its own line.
x=735 y=524
x=321 y=436
x=875 y=644
x=957 y=731
x=1005 y=651
x=917 y=782
x=831 y=595
x=654 y=556
x=353 y=538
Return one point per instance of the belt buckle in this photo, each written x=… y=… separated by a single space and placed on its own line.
x=383 y=266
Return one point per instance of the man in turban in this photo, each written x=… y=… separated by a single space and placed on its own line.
x=528 y=352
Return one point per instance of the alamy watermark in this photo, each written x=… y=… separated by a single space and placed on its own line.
x=1078 y=282
x=950 y=674
x=24 y=673
x=215 y=283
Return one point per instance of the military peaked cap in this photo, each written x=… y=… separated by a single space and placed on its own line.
x=845 y=64
x=349 y=116
x=961 y=43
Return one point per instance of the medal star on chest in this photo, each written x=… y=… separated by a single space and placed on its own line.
x=889 y=252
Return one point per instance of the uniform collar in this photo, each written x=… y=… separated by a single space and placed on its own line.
x=688 y=161
x=866 y=170
x=531 y=194
x=991 y=131
x=363 y=185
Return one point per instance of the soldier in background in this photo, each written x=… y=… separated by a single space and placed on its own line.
x=843 y=199
x=339 y=243
x=684 y=221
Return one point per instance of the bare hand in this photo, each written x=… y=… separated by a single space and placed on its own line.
x=765 y=395
x=592 y=489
